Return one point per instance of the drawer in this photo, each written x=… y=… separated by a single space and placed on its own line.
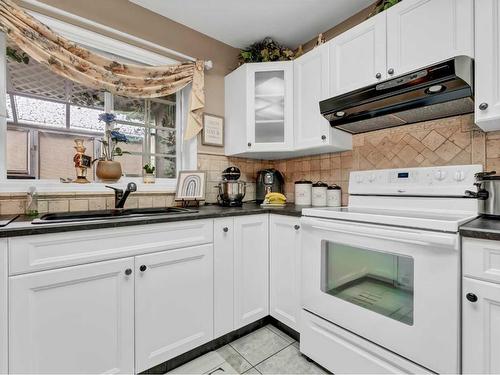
x=47 y=251
x=481 y=259
x=343 y=352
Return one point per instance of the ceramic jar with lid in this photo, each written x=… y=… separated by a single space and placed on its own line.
x=303 y=193
x=319 y=194
x=333 y=196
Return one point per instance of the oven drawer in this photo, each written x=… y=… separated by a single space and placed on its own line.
x=481 y=259
x=342 y=352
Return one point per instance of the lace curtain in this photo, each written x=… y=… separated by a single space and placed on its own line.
x=90 y=69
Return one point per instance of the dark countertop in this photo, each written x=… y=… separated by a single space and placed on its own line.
x=485 y=228
x=22 y=226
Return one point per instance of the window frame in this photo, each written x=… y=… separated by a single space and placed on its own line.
x=186 y=152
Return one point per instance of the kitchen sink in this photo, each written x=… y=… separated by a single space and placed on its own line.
x=118 y=213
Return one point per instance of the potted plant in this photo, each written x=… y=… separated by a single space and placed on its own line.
x=149 y=174
x=109 y=170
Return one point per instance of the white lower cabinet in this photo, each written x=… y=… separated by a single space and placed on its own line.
x=173 y=303
x=481 y=327
x=284 y=254
x=223 y=276
x=73 y=320
x=251 y=269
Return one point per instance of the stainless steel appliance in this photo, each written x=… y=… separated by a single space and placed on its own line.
x=231 y=191
x=437 y=91
x=381 y=277
x=487 y=194
x=268 y=180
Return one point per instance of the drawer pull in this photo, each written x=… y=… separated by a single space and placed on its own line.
x=225 y=229
x=143 y=268
x=128 y=271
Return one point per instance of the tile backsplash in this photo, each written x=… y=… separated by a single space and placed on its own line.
x=450 y=141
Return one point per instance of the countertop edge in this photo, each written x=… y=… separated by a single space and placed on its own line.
x=211 y=212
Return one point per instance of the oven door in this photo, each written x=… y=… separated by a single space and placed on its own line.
x=396 y=287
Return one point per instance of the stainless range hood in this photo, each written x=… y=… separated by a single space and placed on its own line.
x=437 y=91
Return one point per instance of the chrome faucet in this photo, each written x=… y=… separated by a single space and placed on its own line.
x=120 y=196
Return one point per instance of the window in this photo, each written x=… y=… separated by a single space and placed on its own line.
x=46 y=112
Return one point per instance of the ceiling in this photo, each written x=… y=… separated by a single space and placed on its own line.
x=239 y=23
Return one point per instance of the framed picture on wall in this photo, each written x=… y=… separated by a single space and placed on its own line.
x=190 y=186
x=213 y=130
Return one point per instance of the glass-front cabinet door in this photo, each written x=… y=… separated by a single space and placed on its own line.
x=270 y=113
x=378 y=281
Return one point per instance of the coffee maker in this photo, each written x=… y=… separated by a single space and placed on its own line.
x=268 y=180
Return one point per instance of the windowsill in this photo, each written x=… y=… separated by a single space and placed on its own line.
x=162 y=185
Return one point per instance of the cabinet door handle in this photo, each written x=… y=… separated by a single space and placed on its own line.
x=483 y=106
x=390 y=71
x=471 y=297
x=249 y=144
x=323 y=137
x=128 y=271
x=143 y=268
x=225 y=229
x=378 y=75
x=296 y=227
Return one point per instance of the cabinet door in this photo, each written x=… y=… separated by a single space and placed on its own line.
x=481 y=328
x=73 y=320
x=311 y=84
x=251 y=269
x=358 y=56
x=270 y=106
x=223 y=276
x=487 y=65
x=284 y=254
x=423 y=32
x=173 y=303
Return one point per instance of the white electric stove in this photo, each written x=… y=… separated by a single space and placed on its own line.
x=381 y=277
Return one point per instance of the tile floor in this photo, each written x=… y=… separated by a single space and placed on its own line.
x=264 y=351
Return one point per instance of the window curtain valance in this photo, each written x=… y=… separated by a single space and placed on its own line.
x=90 y=69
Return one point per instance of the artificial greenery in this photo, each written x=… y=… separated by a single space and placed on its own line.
x=149 y=168
x=382 y=5
x=264 y=51
x=20 y=57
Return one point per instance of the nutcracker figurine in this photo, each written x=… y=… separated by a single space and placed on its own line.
x=82 y=162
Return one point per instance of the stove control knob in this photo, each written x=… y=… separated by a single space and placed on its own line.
x=440 y=175
x=459 y=176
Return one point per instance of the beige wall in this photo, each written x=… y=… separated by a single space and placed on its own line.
x=127 y=17
x=341 y=27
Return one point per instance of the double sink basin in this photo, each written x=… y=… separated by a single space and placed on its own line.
x=118 y=213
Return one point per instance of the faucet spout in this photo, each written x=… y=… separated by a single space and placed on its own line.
x=121 y=196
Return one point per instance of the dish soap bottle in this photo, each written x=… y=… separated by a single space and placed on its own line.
x=32 y=202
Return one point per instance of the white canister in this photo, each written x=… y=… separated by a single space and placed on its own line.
x=303 y=193
x=333 y=196
x=319 y=194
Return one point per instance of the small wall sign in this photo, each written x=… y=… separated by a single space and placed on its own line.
x=213 y=130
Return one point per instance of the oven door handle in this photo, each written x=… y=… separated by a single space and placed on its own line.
x=400 y=235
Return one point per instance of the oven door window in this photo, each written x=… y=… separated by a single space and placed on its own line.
x=374 y=280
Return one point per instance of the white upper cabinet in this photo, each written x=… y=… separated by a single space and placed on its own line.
x=259 y=108
x=487 y=65
x=311 y=85
x=358 y=56
x=173 y=303
x=73 y=320
x=423 y=32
